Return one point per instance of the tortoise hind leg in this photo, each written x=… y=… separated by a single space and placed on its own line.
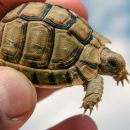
x=94 y=90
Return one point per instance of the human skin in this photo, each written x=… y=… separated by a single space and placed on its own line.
x=16 y=90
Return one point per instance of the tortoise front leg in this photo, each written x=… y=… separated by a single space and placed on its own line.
x=94 y=90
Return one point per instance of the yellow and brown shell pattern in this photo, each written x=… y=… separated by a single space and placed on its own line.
x=46 y=41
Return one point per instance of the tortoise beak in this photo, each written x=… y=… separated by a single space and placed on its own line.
x=123 y=75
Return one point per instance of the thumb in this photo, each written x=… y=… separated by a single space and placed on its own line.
x=17 y=99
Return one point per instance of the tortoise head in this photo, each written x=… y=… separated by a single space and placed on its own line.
x=113 y=64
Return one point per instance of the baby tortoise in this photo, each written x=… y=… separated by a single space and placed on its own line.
x=54 y=47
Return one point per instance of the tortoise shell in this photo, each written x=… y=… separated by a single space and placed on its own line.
x=46 y=41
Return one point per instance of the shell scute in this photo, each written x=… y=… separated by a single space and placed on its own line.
x=95 y=42
x=38 y=45
x=67 y=50
x=88 y=62
x=13 y=14
x=34 y=11
x=13 y=40
x=2 y=25
x=90 y=54
x=59 y=17
x=85 y=30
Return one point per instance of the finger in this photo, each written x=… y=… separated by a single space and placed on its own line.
x=78 y=122
x=7 y=5
x=44 y=92
x=17 y=99
x=75 y=5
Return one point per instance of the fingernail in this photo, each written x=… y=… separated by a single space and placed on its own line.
x=17 y=96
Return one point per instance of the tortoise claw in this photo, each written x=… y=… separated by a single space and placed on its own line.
x=121 y=77
x=122 y=82
x=126 y=78
x=117 y=83
x=97 y=106
x=90 y=109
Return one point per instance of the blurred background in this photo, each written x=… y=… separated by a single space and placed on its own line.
x=110 y=18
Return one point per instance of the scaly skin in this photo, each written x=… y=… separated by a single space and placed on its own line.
x=94 y=90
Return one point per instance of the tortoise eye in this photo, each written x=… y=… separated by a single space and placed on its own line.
x=112 y=63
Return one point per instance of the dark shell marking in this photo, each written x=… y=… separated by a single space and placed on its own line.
x=44 y=42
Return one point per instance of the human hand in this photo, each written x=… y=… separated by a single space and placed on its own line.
x=18 y=95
